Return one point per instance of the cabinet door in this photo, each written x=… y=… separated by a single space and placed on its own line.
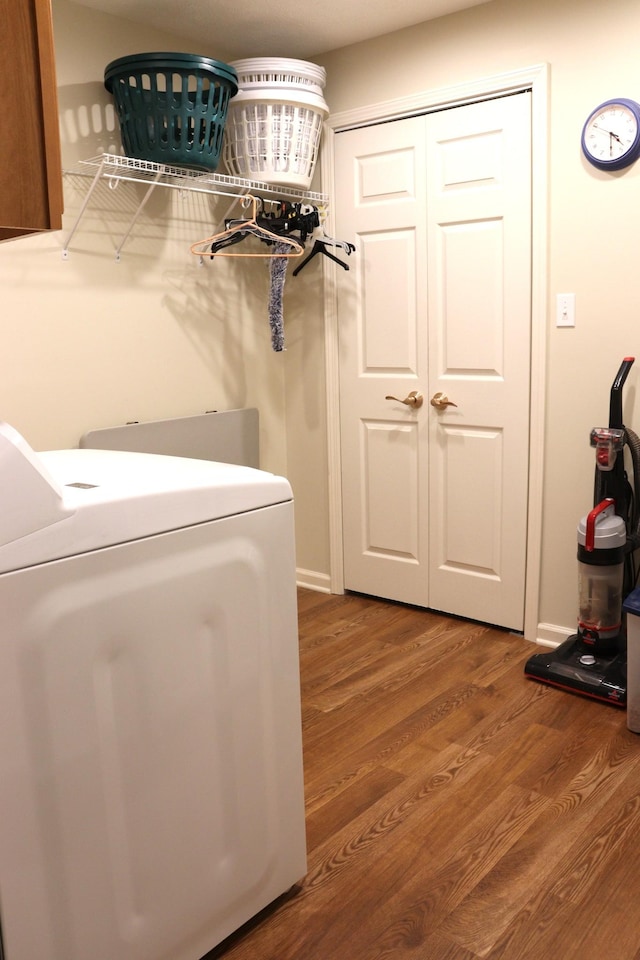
x=30 y=168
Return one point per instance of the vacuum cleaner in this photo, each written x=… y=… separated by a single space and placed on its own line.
x=593 y=661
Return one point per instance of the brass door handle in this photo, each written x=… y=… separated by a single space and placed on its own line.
x=413 y=399
x=441 y=400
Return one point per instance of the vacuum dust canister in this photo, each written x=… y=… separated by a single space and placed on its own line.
x=601 y=545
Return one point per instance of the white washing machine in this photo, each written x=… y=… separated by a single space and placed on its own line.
x=151 y=788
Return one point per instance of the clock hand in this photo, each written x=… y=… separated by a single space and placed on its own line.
x=610 y=132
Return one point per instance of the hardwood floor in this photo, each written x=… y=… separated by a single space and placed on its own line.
x=455 y=810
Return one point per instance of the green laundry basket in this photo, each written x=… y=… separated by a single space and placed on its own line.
x=172 y=107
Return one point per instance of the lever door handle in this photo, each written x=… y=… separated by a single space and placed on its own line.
x=413 y=399
x=441 y=400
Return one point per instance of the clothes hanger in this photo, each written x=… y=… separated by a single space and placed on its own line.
x=348 y=248
x=290 y=218
x=219 y=243
x=320 y=246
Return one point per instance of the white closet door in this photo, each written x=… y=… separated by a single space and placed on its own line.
x=438 y=302
x=380 y=204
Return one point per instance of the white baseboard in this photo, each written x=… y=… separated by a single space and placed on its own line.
x=550 y=635
x=547 y=634
x=313 y=580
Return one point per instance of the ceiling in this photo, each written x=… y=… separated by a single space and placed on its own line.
x=301 y=29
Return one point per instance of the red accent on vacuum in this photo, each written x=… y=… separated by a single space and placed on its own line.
x=589 y=540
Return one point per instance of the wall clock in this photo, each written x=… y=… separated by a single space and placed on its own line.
x=611 y=134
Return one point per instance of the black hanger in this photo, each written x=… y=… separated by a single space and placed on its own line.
x=291 y=218
x=319 y=246
x=229 y=240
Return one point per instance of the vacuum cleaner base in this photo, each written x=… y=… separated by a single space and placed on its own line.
x=605 y=679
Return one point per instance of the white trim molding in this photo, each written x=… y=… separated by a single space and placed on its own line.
x=551 y=635
x=320 y=582
x=536 y=79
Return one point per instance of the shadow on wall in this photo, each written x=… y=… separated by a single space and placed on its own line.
x=222 y=309
x=88 y=122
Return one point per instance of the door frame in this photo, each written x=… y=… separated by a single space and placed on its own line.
x=536 y=79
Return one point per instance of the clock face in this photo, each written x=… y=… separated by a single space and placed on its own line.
x=611 y=135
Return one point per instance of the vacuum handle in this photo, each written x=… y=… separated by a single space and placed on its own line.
x=615 y=402
x=590 y=533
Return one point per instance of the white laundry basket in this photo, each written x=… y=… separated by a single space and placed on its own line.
x=275 y=122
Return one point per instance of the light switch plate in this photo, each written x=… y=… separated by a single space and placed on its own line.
x=566 y=310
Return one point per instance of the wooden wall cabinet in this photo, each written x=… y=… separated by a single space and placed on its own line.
x=30 y=166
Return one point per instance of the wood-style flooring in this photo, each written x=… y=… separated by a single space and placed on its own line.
x=455 y=810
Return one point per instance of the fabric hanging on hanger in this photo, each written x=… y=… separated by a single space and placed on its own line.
x=278 y=273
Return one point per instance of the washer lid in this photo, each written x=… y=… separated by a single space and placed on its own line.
x=64 y=502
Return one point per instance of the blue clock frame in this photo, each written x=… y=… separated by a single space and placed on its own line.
x=631 y=153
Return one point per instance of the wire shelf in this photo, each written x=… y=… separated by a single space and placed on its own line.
x=113 y=168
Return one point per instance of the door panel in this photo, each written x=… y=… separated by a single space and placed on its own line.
x=385 y=347
x=469 y=536
x=385 y=175
x=471 y=263
x=390 y=497
x=383 y=343
x=479 y=230
x=439 y=301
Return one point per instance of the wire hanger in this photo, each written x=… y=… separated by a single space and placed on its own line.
x=233 y=234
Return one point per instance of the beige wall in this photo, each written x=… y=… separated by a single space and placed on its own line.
x=88 y=342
